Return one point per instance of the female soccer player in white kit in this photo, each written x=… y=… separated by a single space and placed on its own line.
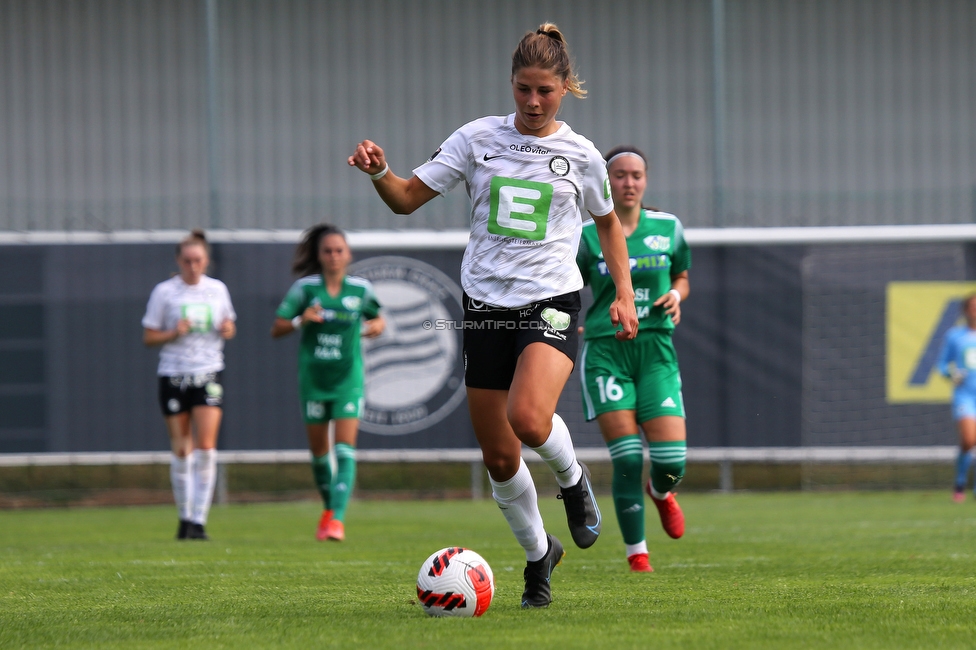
x=190 y=316
x=530 y=179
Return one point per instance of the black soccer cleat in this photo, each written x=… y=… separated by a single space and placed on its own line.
x=538 y=592
x=183 y=531
x=582 y=512
x=196 y=531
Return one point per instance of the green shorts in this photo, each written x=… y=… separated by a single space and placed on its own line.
x=640 y=375
x=341 y=401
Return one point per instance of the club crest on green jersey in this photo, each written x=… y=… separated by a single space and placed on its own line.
x=658 y=242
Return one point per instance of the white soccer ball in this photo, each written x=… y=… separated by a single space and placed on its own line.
x=455 y=581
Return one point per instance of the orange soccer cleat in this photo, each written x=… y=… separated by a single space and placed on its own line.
x=323 y=529
x=337 y=531
x=639 y=563
x=672 y=519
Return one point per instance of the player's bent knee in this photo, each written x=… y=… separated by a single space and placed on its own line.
x=501 y=469
x=530 y=426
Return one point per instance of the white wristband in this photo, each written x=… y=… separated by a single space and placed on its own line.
x=296 y=322
x=676 y=294
x=380 y=174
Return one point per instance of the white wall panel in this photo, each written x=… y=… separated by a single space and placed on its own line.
x=836 y=111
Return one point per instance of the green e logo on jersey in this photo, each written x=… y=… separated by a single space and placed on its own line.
x=519 y=208
x=200 y=317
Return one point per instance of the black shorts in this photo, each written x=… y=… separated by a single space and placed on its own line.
x=494 y=337
x=181 y=393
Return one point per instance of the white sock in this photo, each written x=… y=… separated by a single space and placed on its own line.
x=558 y=453
x=519 y=502
x=180 y=475
x=639 y=547
x=204 y=482
x=657 y=495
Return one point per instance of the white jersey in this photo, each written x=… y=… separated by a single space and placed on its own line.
x=206 y=305
x=529 y=196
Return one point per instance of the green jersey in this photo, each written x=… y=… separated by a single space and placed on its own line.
x=329 y=351
x=657 y=251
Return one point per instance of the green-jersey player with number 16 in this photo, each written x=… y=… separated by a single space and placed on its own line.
x=628 y=386
x=332 y=311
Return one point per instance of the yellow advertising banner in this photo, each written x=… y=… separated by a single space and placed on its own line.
x=917 y=317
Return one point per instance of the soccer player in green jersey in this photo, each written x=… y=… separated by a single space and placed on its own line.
x=634 y=385
x=332 y=311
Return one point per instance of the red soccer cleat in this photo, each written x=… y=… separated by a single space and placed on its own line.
x=958 y=496
x=672 y=519
x=639 y=563
x=337 y=531
x=323 y=529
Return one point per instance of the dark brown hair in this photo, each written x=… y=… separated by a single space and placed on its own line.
x=307 y=254
x=196 y=238
x=546 y=48
x=625 y=148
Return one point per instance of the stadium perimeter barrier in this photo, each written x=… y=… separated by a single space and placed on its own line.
x=725 y=458
x=794 y=348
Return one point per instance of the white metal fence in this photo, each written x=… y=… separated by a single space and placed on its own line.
x=725 y=457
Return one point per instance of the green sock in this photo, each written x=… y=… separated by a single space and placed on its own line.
x=344 y=480
x=627 y=455
x=322 y=471
x=667 y=464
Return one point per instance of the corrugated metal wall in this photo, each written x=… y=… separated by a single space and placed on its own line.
x=113 y=116
x=101 y=107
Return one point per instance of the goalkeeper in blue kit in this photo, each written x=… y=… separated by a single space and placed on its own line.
x=957 y=361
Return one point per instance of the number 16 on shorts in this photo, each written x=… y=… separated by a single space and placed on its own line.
x=640 y=376
x=610 y=390
x=604 y=393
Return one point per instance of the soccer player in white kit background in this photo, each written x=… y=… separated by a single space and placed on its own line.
x=530 y=180
x=190 y=316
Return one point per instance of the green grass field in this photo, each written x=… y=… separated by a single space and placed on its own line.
x=786 y=570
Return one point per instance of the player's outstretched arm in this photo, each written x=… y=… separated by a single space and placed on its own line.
x=614 y=247
x=401 y=194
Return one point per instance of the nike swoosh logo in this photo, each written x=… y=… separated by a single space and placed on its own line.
x=554 y=336
x=487 y=157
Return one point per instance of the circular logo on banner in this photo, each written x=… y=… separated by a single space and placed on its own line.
x=414 y=372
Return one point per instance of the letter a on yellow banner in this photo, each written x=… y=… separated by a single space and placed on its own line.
x=917 y=317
